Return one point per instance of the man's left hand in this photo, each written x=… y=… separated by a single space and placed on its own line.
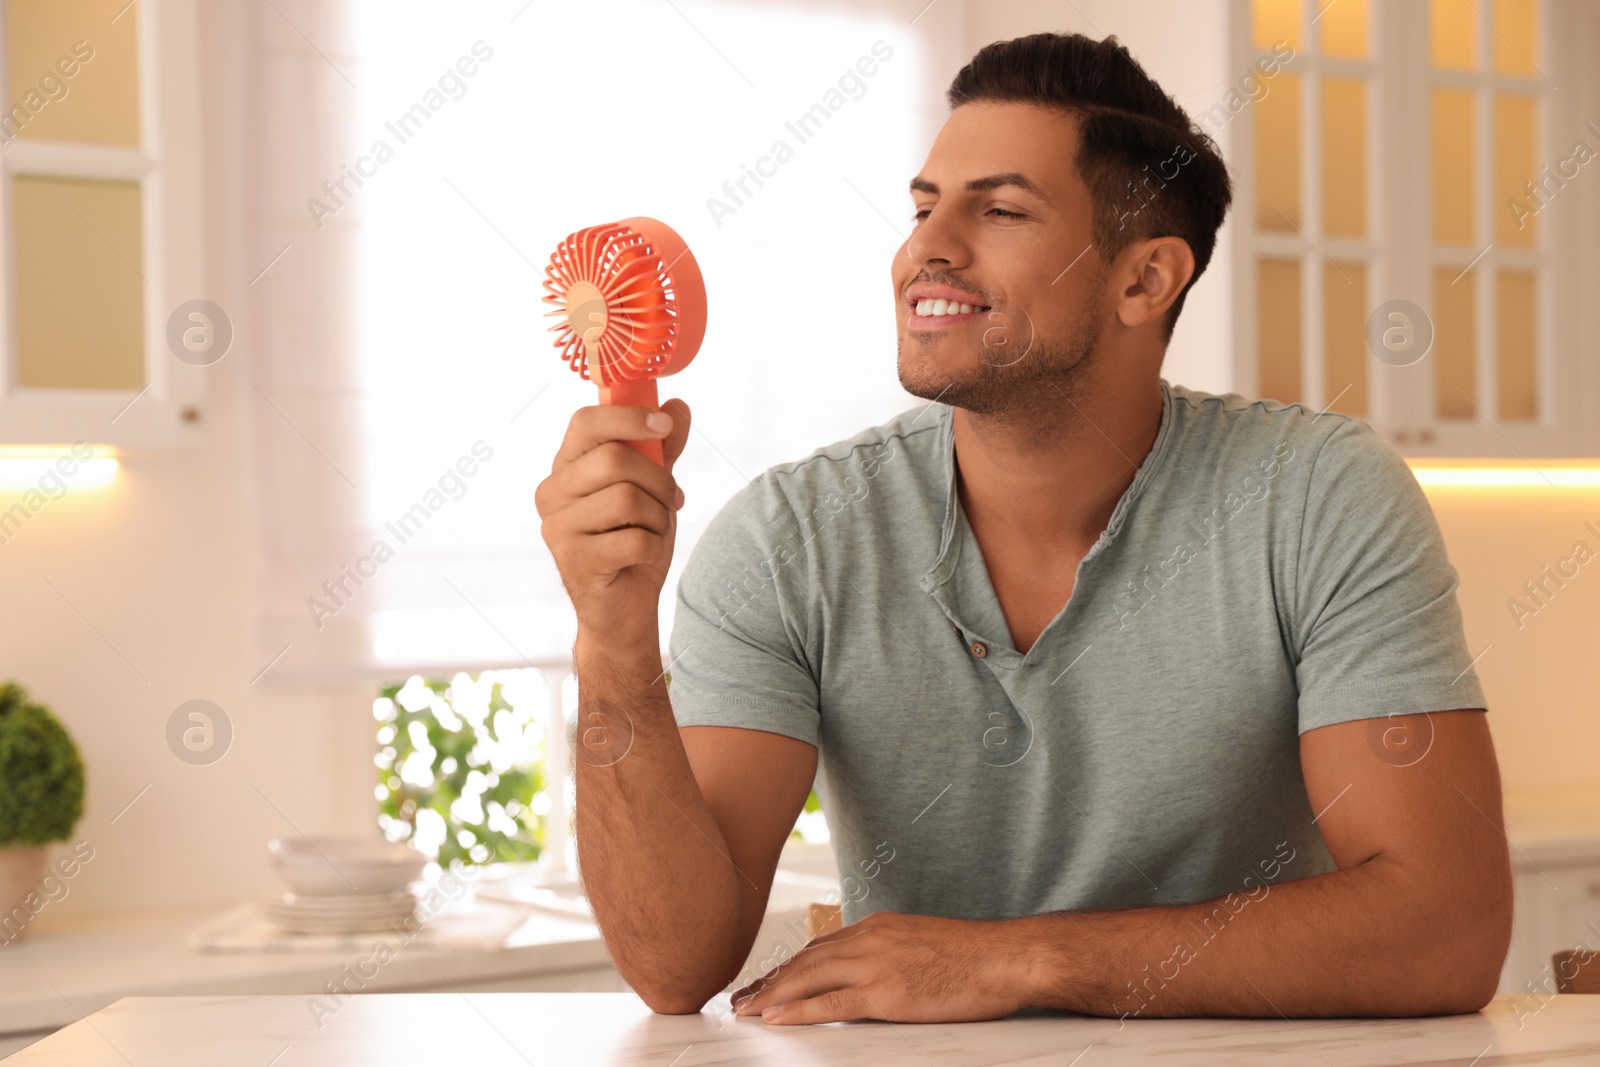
x=901 y=968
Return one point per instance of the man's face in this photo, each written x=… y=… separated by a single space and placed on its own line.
x=1003 y=225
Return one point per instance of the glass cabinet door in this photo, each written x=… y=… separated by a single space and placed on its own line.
x=1402 y=238
x=77 y=242
x=100 y=234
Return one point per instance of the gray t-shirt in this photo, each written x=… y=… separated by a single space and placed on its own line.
x=1269 y=571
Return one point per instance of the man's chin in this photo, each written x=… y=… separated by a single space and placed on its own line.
x=943 y=387
x=924 y=381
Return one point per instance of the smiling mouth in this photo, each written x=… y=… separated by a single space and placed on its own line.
x=937 y=313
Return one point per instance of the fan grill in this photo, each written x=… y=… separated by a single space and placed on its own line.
x=616 y=304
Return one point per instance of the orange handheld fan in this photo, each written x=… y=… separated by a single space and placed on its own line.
x=631 y=307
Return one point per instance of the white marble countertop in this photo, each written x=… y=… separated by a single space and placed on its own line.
x=617 y=1029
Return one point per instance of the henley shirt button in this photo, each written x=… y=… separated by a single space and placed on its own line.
x=979 y=650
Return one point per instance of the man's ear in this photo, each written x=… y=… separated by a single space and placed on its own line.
x=1153 y=276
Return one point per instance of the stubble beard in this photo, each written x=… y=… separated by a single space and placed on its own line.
x=1036 y=395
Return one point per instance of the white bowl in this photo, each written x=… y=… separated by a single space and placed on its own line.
x=344 y=866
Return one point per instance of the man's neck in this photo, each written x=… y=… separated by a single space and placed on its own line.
x=1044 y=483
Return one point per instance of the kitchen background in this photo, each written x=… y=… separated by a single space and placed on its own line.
x=383 y=329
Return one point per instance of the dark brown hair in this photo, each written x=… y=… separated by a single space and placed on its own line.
x=1151 y=172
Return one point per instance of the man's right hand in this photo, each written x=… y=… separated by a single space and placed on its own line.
x=609 y=516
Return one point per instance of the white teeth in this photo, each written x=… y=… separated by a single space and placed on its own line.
x=944 y=307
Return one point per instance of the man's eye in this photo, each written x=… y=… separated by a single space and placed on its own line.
x=922 y=215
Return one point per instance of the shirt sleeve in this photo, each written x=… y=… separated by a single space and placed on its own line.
x=1378 y=625
x=737 y=652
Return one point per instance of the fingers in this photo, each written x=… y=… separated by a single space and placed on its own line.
x=598 y=423
x=593 y=456
x=820 y=993
x=822 y=946
x=608 y=464
x=672 y=446
x=620 y=505
x=774 y=987
x=606 y=508
x=616 y=508
x=836 y=1005
x=609 y=552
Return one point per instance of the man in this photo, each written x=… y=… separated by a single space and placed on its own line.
x=1131 y=700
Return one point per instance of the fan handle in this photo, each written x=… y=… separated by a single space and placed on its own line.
x=640 y=393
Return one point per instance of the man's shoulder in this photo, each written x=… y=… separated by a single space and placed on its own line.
x=1241 y=414
x=1319 y=463
x=1228 y=428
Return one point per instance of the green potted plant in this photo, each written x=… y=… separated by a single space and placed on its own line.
x=41 y=795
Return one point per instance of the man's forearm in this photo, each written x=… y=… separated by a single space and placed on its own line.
x=1355 y=942
x=652 y=856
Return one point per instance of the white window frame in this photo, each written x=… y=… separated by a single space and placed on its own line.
x=1400 y=252
x=167 y=165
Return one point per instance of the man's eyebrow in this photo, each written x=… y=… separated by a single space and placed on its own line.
x=983 y=185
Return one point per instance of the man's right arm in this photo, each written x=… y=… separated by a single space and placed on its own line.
x=678 y=840
x=679 y=832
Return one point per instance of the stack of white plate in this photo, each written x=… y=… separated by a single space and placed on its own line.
x=347 y=914
x=342 y=884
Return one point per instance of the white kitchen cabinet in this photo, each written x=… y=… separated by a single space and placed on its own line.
x=1555 y=859
x=1415 y=220
x=105 y=333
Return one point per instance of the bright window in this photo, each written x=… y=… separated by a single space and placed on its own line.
x=477 y=143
